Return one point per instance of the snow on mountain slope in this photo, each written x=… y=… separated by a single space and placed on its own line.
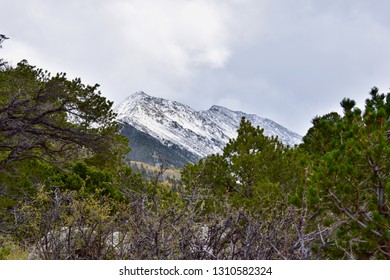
x=200 y=132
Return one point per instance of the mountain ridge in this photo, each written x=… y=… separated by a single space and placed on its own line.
x=192 y=134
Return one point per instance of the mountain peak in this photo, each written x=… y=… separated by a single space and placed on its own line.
x=194 y=133
x=139 y=93
x=130 y=104
x=218 y=108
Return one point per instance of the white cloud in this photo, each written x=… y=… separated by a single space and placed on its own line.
x=287 y=60
x=175 y=35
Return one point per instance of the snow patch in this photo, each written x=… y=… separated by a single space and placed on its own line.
x=199 y=132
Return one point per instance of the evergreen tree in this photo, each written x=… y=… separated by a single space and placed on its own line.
x=53 y=118
x=57 y=134
x=253 y=169
x=350 y=176
x=2 y=62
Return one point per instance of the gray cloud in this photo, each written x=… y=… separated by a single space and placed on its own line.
x=286 y=60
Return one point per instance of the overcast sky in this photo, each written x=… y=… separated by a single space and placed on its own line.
x=286 y=60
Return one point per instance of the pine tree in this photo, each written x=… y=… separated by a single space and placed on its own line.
x=53 y=118
x=350 y=176
x=253 y=169
x=2 y=62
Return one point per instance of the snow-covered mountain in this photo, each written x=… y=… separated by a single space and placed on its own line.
x=190 y=134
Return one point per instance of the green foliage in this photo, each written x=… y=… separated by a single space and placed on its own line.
x=5 y=251
x=254 y=170
x=3 y=64
x=55 y=134
x=66 y=224
x=54 y=119
x=350 y=171
x=87 y=179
